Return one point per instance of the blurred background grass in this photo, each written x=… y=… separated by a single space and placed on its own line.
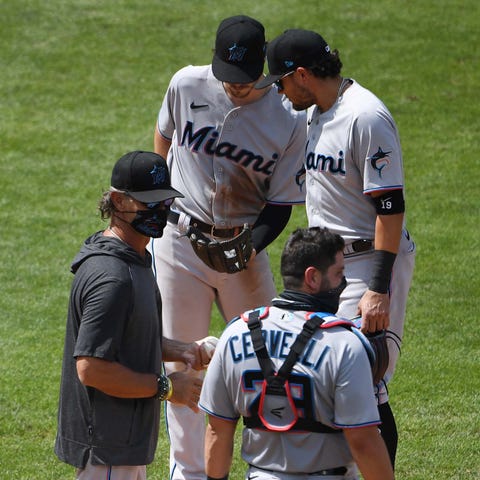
x=82 y=83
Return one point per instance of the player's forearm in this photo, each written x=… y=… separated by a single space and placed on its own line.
x=161 y=144
x=177 y=351
x=388 y=232
x=219 y=438
x=115 y=379
x=172 y=349
x=370 y=453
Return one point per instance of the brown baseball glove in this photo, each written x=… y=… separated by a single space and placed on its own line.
x=378 y=342
x=230 y=256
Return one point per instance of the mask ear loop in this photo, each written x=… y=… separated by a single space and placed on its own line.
x=288 y=394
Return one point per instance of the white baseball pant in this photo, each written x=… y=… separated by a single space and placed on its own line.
x=358 y=272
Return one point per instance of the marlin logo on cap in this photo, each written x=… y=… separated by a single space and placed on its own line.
x=236 y=53
x=289 y=63
x=158 y=175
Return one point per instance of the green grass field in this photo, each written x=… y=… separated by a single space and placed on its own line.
x=81 y=84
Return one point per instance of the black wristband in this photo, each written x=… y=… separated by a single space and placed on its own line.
x=212 y=478
x=382 y=271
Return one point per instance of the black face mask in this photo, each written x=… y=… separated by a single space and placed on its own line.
x=325 y=301
x=150 y=222
x=331 y=298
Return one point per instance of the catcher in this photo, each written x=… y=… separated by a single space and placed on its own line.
x=300 y=377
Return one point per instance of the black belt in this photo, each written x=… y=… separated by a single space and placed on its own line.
x=325 y=472
x=358 y=246
x=331 y=471
x=205 y=227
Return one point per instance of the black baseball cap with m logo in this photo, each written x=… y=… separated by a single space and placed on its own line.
x=144 y=176
x=292 y=49
x=239 y=50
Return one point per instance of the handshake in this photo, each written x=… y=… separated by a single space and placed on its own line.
x=187 y=377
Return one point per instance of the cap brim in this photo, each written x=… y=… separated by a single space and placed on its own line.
x=268 y=80
x=230 y=73
x=152 y=196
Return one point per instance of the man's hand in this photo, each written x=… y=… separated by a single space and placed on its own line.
x=187 y=353
x=207 y=349
x=192 y=356
x=375 y=311
x=186 y=388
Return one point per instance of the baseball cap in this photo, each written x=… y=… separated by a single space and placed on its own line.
x=145 y=176
x=292 y=49
x=239 y=50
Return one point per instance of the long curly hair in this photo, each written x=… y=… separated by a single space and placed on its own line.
x=106 y=206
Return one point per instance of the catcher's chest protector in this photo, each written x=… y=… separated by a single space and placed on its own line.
x=276 y=396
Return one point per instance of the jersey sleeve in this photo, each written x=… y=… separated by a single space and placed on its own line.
x=105 y=312
x=287 y=182
x=379 y=154
x=165 y=120
x=355 y=402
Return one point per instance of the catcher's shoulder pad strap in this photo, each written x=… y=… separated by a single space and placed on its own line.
x=262 y=313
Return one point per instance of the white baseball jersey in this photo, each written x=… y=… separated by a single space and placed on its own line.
x=229 y=161
x=332 y=383
x=353 y=149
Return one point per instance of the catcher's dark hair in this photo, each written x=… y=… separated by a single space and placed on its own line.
x=105 y=205
x=308 y=247
x=330 y=66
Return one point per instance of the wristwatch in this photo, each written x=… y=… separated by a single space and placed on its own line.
x=164 y=387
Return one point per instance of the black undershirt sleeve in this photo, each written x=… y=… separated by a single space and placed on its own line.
x=270 y=223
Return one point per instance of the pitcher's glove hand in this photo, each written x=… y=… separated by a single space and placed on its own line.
x=230 y=256
x=378 y=341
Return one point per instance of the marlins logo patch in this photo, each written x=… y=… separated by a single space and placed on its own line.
x=379 y=160
x=158 y=175
x=236 y=53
